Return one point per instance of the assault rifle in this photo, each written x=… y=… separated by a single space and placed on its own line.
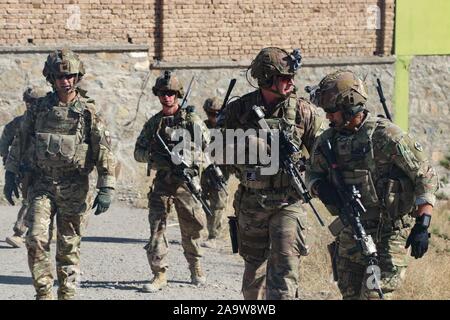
x=287 y=148
x=350 y=210
x=192 y=184
x=383 y=99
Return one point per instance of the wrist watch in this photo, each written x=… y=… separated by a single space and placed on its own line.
x=424 y=220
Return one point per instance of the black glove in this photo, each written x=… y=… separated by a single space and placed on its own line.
x=103 y=200
x=10 y=187
x=327 y=193
x=418 y=238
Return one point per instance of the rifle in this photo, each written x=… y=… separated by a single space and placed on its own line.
x=220 y=117
x=383 y=99
x=287 y=148
x=215 y=177
x=213 y=172
x=192 y=185
x=350 y=211
x=183 y=104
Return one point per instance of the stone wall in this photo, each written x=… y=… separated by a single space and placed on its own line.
x=179 y=30
x=115 y=81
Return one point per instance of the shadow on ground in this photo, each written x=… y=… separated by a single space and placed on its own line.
x=19 y=280
x=113 y=240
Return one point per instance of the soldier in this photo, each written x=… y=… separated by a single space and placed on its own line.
x=271 y=221
x=9 y=132
x=168 y=186
x=392 y=174
x=217 y=196
x=59 y=143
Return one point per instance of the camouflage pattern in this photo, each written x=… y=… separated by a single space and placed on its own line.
x=273 y=61
x=11 y=129
x=19 y=227
x=8 y=134
x=168 y=188
x=393 y=259
x=217 y=200
x=271 y=241
x=166 y=192
x=57 y=146
x=271 y=221
x=62 y=62
x=212 y=105
x=391 y=170
x=341 y=90
x=168 y=82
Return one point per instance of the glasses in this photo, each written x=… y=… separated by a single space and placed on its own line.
x=168 y=93
x=212 y=113
x=332 y=110
x=286 y=78
x=65 y=76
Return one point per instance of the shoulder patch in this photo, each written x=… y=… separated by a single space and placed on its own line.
x=418 y=146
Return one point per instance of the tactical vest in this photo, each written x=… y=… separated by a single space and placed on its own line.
x=382 y=187
x=61 y=139
x=283 y=119
x=166 y=125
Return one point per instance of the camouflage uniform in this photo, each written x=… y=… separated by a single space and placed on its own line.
x=58 y=146
x=6 y=141
x=392 y=173
x=217 y=197
x=169 y=188
x=271 y=220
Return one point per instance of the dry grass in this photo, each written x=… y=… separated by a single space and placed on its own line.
x=426 y=278
x=429 y=277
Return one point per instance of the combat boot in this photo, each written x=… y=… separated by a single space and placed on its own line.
x=158 y=282
x=210 y=243
x=45 y=296
x=198 y=278
x=15 y=241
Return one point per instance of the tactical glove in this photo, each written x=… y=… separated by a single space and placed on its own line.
x=327 y=193
x=103 y=200
x=10 y=187
x=418 y=238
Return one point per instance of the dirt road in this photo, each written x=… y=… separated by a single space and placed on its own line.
x=114 y=264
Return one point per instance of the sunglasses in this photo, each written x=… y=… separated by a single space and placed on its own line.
x=65 y=76
x=286 y=78
x=211 y=113
x=168 y=93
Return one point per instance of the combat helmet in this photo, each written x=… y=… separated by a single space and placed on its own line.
x=341 y=91
x=62 y=62
x=168 y=82
x=212 y=105
x=273 y=61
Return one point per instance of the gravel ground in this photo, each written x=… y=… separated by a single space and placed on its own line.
x=114 y=264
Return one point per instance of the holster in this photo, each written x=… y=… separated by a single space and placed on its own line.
x=332 y=250
x=233 y=224
x=25 y=182
x=336 y=226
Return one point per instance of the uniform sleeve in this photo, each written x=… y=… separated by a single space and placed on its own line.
x=316 y=166
x=142 y=146
x=7 y=137
x=105 y=160
x=20 y=142
x=408 y=156
x=309 y=122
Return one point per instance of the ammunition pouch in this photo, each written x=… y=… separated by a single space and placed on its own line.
x=398 y=197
